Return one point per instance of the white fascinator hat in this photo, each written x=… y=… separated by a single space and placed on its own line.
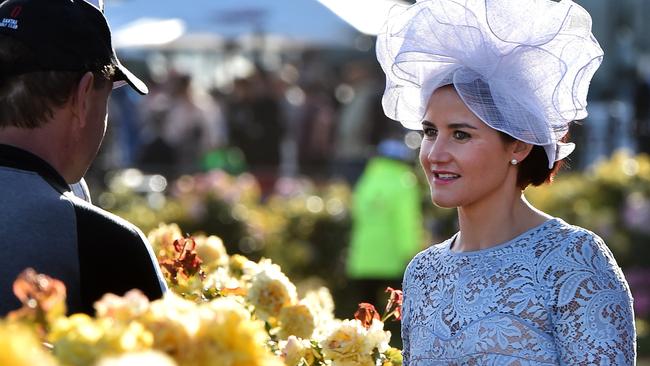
x=522 y=66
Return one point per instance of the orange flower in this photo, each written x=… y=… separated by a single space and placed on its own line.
x=33 y=289
x=187 y=263
x=43 y=298
x=394 y=305
x=365 y=314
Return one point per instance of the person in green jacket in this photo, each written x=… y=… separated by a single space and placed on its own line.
x=386 y=222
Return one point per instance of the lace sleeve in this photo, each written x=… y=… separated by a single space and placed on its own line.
x=406 y=313
x=592 y=310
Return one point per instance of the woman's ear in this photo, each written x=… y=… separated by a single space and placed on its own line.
x=520 y=150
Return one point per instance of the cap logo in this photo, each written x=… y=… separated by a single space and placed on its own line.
x=15 y=12
x=11 y=23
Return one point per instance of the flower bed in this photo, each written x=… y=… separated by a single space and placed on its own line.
x=222 y=310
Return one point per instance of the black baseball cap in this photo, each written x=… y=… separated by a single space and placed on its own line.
x=62 y=35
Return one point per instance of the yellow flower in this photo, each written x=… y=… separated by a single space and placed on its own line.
x=20 y=347
x=132 y=337
x=350 y=344
x=295 y=350
x=122 y=308
x=242 y=268
x=220 y=279
x=173 y=321
x=75 y=339
x=227 y=336
x=322 y=306
x=296 y=320
x=81 y=340
x=377 y=337
x=150 y=358
x=270 y=291
x=162 y=239
x=393 y=357
x=212 y=251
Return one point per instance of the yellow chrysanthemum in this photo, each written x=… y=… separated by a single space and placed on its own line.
x=20 y=347
x=270 y=291
x=297 y=320
x=350 y=344
x=212 y=251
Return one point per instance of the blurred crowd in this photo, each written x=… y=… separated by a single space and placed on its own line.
x=310 y=116
x=306 y=118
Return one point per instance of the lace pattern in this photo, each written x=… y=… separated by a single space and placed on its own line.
x=552 y=296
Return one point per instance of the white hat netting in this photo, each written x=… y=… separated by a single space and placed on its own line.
x=522 y=66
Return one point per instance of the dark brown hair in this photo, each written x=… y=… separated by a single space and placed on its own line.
x=533 y=170
x=28 y=100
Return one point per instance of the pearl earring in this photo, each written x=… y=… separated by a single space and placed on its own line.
x=514 y=162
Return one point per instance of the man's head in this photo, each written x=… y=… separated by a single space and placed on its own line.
x=57 y=54
x=45 y=48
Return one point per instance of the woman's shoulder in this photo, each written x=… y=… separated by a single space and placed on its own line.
x=559 y=231
x=427 y=257
x=580 y=255
x=434 y=251
x=571 y=241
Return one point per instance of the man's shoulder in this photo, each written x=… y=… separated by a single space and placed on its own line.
x=101 y=222
x=19 y=184
x=114 y=255
x=32 y=206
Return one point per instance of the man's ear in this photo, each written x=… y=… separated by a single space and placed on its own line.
x=81 y=98
x=521 y=150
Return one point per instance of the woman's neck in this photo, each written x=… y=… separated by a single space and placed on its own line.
x=486 y=225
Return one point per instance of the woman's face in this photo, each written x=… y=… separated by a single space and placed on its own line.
x=466 y=161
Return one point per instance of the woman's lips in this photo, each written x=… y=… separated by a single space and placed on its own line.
x=444 y=177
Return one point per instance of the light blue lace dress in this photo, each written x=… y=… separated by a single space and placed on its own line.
x=552 y=296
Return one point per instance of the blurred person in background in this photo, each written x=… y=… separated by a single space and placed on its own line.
x=315 y=127
x=58 y=69
x=189 y=126
x=154 y=154
x=494 y=85
x=355 y=137
x=256 y=125
x=125 y=120
x=386 y=222
x=642 y=107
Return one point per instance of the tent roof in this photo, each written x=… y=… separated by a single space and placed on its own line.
x=305 y=21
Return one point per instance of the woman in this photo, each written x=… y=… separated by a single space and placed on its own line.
x=494 y=84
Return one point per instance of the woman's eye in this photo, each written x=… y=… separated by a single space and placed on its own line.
x=460 y=135
x=430 y=132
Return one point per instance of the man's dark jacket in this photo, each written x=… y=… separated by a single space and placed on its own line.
x=45 y=227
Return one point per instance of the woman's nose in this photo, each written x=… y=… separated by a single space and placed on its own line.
x=437 y=151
